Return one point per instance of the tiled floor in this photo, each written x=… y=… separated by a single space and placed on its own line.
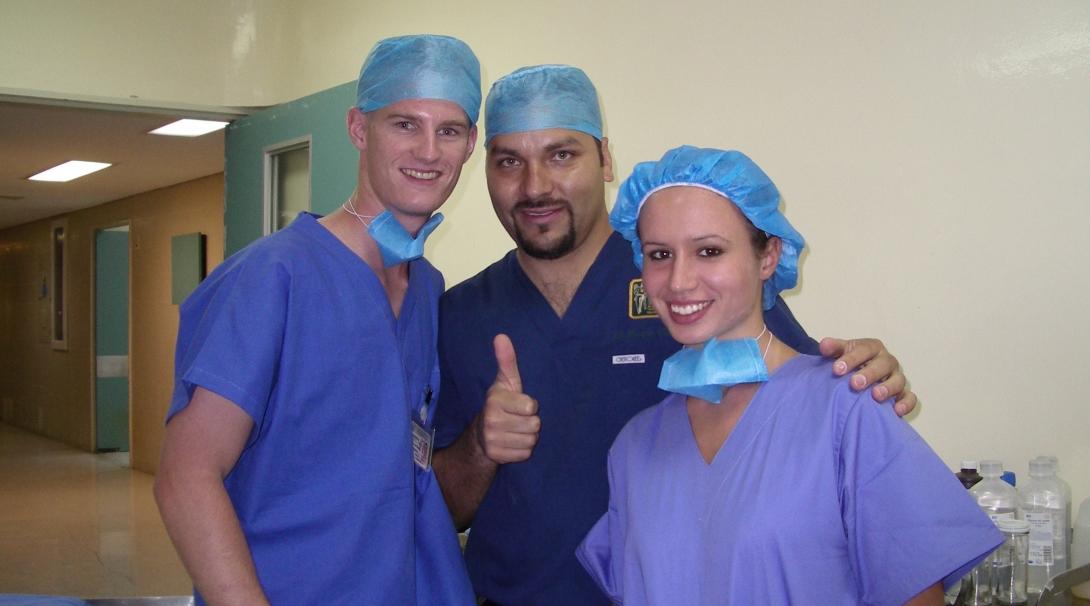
x=78 y=524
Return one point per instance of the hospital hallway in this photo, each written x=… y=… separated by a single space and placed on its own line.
x=80 y=524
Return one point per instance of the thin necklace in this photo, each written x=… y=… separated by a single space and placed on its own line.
x=350 y=207
x=768 y=346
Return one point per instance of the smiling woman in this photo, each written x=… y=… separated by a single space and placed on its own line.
x=765 y=475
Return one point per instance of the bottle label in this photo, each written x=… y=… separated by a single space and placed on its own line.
x=1009 y=515
x=1040 y=538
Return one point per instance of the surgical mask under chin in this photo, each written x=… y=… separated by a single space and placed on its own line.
x=705 y=372
x=395 y=244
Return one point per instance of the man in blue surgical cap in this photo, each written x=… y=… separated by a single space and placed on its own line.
x=547 y=353
x=296 y=464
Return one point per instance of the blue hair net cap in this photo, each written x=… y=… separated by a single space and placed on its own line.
x=732 y=175
x=541 y=97
x=423 y=66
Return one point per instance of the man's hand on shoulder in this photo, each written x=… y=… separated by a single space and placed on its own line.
x=873 y=365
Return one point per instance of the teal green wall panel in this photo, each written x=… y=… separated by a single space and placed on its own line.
x=111 y=340
x=111 y=293
x=186 y=265
x=333 y=158
x=112 y=414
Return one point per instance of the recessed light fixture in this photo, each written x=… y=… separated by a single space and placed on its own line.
x=189 y=128
x=73 y=169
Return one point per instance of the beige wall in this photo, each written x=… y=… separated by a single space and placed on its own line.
x=933 y=153
x=50 y=391
x=205 y=54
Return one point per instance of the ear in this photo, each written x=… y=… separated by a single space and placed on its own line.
x=770 y=258
x=357 y=128
x=471 y=144
x=607 y=161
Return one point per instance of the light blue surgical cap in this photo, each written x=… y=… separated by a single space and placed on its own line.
x=541 y=97
x=420 y=67
x=730 y=174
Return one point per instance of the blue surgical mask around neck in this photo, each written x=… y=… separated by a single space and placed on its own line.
x=704 y=373
x=395 y=244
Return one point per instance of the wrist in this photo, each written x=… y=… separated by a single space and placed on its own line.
x=477 y=450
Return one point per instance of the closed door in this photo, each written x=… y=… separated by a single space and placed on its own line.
x=112 y=339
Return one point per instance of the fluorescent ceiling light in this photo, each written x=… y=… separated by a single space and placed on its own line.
x=73 y=169
x=189 y=128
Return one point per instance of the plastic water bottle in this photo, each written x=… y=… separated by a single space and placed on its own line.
x=999 y=500
x=1080 y=547
x=1067 y=496
x=1043 y=506
x=1010 y=564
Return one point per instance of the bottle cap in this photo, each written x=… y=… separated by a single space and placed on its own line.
x=1013 y=526
x=1009 y=478
x=968 y=464
x=991 y=468
x=1041 y=467
x=1053 y=458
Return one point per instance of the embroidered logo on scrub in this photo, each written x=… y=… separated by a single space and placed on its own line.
x=639 y=304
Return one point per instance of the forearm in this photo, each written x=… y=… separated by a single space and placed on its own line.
x=932 y=596
x=465 y=474
x=204 y=528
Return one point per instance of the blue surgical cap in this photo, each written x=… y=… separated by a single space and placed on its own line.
x=420 y=67
x=541 y=97
x=730 y=174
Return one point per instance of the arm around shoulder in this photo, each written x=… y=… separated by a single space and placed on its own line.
x=203 y=441
x=872 y=365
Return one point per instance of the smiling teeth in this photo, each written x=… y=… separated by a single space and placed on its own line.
x=416 y=174
x=687 y=310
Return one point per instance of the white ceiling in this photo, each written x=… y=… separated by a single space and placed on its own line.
x=36 y=137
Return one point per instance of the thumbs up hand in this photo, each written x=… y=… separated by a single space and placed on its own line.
x=507 y=427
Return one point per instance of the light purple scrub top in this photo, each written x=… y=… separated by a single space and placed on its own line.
x=818 y=496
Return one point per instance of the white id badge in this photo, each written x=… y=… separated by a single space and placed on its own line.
x=422 y=443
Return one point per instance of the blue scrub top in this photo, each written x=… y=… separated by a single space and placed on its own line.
x=298 y=332
x=818 y=495
x=590 y=371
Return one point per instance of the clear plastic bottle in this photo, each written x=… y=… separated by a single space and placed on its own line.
x=1067 y=497
x=999 y=500
x=1010 y=564
x=1043 y=506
